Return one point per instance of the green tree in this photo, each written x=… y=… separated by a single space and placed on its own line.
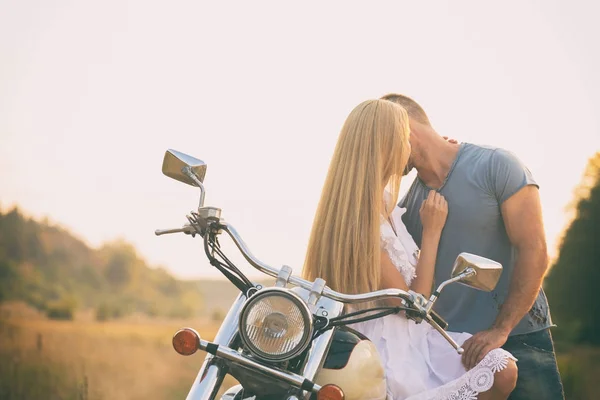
x=62 y=309
x=572 y=284
x=120 y=270
x=49 y=268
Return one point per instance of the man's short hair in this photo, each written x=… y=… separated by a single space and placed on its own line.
x=414 y=110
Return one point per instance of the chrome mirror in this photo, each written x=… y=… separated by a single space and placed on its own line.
x=183 y=168
x=476 y=271
x=186 y=169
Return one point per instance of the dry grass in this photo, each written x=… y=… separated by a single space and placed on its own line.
x=133 y=359
x=84 y=359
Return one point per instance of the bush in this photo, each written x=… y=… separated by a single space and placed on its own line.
x=62 y=309
x=106 y=311
x=152 y=310
x=102 y=313
x=180 y=312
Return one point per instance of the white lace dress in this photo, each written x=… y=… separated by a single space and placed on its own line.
x=419 y=363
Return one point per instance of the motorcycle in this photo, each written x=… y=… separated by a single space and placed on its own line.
x=292 y=340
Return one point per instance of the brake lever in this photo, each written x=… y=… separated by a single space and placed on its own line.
x=421 y=312
x=442 y=332
x=438 y=319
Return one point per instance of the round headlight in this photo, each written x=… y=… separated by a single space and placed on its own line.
x=276 y=325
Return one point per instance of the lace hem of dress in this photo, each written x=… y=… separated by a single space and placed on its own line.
x=398 y=256
x=477 y=380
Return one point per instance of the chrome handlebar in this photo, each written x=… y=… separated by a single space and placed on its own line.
x=297 y=281
x=416 y=300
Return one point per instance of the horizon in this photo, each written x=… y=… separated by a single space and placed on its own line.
x=92 y=94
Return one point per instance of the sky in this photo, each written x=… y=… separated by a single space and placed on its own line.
x=93 y=93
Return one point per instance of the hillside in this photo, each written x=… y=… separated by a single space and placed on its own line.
x=49 y=268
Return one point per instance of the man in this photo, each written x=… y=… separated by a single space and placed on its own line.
x=495 y=212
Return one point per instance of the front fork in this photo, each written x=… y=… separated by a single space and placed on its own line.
x=213 y=371
x=211 y=374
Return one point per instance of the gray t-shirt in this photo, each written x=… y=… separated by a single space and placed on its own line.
x=480 y=180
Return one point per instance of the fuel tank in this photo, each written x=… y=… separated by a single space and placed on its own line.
x=354 y=365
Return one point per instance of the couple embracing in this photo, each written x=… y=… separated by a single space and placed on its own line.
x=466 y=198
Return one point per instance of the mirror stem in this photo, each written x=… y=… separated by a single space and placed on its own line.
x=434 y=296
x=188 y=172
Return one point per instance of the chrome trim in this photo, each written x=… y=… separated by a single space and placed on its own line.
x=207 y=388
x=232 y=392
x=234 y=356
x=190 y=174
x=255 y=262
x=209 y=213
x=465 y=274
x=319 y=348
x=307 y=316
x=284 y=276
x=317 y=355
x=297 y=281
x=315 y=293
x=226 y=335
x=372 y=296
x=434 y=296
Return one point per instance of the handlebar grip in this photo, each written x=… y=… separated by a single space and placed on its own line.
x=187 y=229
x=438 y=320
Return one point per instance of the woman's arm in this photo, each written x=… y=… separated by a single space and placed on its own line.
x=434 y=211
x=426 y=265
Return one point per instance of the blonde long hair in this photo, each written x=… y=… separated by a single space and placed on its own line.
x=371 y=154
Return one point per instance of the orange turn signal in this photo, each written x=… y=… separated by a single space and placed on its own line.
x=330 y=392
x=186 y=341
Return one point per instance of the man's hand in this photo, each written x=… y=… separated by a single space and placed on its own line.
x=480 y=344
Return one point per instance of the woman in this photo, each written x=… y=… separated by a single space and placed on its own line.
x=359 y=244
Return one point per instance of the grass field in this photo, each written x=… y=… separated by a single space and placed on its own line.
x=83 y=359
x=580 y=371
x=133 y=359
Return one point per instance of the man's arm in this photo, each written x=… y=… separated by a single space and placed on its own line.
x=522 y=217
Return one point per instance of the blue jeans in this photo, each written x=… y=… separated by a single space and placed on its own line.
x=538 y=373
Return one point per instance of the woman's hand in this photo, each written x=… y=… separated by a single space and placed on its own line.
x=434 y=212
x=450 y=140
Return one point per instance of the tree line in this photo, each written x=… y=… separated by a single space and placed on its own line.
x=52 y=270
